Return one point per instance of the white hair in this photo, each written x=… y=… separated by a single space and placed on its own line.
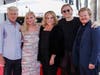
x=12 y=8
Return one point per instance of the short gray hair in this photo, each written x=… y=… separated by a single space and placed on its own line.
x=12 y=8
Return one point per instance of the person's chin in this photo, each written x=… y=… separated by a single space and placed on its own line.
x=83 y=23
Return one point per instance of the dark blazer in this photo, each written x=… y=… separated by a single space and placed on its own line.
x=48 y=46
x=89 y=46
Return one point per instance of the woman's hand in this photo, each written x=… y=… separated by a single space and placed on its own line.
x=51 y=62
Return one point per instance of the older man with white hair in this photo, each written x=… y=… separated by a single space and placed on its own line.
x=10 y=43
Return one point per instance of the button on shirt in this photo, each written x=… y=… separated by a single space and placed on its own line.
x=10 y=40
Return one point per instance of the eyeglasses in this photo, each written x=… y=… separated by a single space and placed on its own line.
x=64 y=11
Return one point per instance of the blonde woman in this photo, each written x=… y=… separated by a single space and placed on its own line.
x=46 y=55
x=30 y=31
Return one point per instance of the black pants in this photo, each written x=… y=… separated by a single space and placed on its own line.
x=67 y=66
x=12 y=67
x=49 y=70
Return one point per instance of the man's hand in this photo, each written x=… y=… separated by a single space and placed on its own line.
x=91 y=66
x=95 y=24
x=2 y=62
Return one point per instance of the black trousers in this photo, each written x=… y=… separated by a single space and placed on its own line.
x=12 y=67
x=49 y=70
x=67 y=65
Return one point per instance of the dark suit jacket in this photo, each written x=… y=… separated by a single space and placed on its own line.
x=89 y=47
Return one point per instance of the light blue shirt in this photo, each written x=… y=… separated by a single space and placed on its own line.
x=10 y=40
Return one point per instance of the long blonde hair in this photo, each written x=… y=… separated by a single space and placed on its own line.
x=24 y=27
x=44 y=23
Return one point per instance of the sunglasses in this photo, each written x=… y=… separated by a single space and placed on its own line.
x=64 y=11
